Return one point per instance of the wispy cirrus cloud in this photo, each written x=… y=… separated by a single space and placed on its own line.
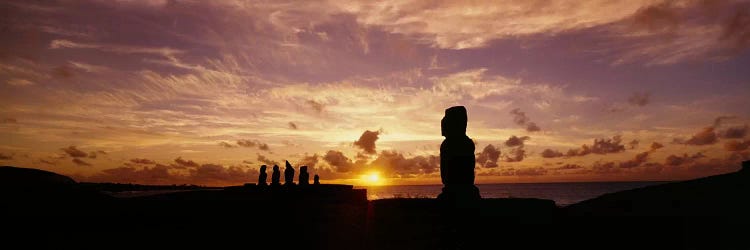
x=118 y=49
x=452 y=24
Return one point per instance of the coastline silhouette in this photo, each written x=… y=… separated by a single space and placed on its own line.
x=699 y=213
x=703 y=213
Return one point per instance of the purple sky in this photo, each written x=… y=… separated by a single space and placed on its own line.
x=204 y=92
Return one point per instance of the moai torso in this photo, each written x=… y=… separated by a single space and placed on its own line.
x=289 y=174
x=457 y=150
x=262 y=176
x=304 y=177
x=276 y=176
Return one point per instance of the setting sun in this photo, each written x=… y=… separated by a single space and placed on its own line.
x=372 y=178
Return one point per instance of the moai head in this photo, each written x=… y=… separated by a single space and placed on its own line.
x=454 y=122
x=289 y=166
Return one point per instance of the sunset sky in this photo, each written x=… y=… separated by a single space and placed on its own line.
x=204 y=92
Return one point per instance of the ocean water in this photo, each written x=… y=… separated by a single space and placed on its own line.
x=562 y=193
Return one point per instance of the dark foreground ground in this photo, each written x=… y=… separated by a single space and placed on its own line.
x=42 y=209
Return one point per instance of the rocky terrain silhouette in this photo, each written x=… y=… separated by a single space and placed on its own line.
x=41 y=209
x=45 y=209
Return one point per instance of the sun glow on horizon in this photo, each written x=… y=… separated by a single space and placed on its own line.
x=372 y=179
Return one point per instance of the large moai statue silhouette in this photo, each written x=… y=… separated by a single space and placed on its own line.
x=276 y=176
x=288 y=174
x=304 y=177
x=316 y=180
x=262 y=176
x=460 y=198
x=457 y=157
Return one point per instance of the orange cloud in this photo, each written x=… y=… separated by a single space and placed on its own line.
x=367 y=141
x=80 y=162
x=705 y=137
x=72 y=151
x=488 y=157
x=338 y=161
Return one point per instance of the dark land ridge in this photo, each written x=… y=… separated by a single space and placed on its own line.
x=47 y=210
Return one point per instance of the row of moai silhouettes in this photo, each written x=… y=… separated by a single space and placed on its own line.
x=304 y=177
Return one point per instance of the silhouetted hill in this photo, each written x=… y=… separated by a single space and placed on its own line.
x=705 y=213
x=29 y=177
x=21 y=187
x=45 y=210
x=726 y=195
